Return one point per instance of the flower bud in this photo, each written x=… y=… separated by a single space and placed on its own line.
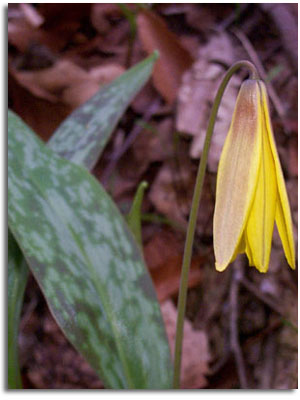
x=251 y=193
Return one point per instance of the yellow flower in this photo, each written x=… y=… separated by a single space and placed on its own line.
x=251 y=192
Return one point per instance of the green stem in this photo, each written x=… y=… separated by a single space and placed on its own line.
x=194 y=212
x=131 y=17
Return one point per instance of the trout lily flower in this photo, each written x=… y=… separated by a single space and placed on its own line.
x=251 y=193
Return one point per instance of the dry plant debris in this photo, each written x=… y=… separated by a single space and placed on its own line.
x=174 y=58
x=195 y=349
x=58 y=56
x=199 y=86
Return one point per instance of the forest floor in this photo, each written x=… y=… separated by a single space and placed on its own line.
x=241 y=326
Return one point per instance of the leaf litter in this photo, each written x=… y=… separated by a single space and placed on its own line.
x=59 y=55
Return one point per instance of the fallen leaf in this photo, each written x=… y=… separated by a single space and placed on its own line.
x=199 y=18
x=64 y=18
x=100 y=14
x=174 y=58
x=163 y=255
x=171 y=191
x=26 y=27
x=41 y=115
x=66 y=82
x=22 y=35
x=196 y=96
x=80 y=92
x=195 y=351
x=155 y=143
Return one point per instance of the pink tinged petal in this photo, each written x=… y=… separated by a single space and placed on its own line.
x=237 y=174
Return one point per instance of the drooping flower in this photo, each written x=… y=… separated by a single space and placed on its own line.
x=251 y=193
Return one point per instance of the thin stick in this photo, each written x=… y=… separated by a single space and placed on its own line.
x=269 y=362
x=129 y=141
x=234 y=333
x=255 y=59
x=253 y=289
x=193 y=216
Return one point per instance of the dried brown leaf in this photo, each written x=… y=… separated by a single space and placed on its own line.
x=168 y=193
x=163 y=255
x=196 y=95
x=22 y=35
x=80 y=92
x=155 y=143
x=66 y=82
x=195 y=354
x=174 y=58
x=27 y=26
x=100 y=14
x=41 y=115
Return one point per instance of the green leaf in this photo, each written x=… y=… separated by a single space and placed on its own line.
x=17 y=278
x=134 y=216
x=87 y=263
x=73 y=140
x=84 y=134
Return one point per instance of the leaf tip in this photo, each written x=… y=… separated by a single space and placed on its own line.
x=144 y=184
x=155 y=55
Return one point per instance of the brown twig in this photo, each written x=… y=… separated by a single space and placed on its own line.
x=286 y=23
x=234 y=334
x=231 y=19
x=129 y=141
x=253 y=289
x=268 y=362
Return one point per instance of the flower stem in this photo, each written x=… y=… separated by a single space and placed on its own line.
x=194 y=212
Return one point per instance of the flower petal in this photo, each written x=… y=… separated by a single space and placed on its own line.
x=237 y=174
x=249 y=252
x=283 y=214
x=241 y=248
x=260 y=224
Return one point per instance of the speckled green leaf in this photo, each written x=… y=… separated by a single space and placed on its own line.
x=87 y=264
x=70 y=139
x=83 y=135
x=17 y=278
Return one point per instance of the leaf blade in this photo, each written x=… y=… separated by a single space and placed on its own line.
x=118 y=294
x=136 y=78
x=99 y=116
x=17 y=279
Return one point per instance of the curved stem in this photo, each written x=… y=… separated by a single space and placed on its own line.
x=194 y=212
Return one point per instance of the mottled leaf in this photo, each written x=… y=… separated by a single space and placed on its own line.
x=17 y=278
x=84 y=134
x=87 y=263
x=101 y=114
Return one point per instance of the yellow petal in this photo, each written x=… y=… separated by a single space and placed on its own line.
x=260 y=224
x=241 y=248
x=283 y=214
x=237 y=174
x=249 y=251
